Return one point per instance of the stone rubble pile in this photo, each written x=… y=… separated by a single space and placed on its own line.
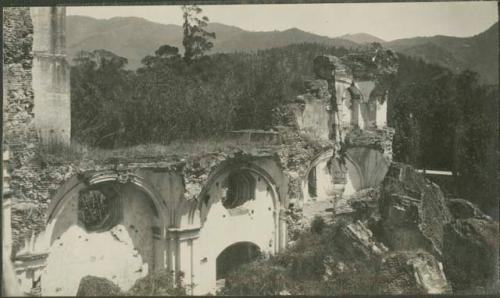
x=417 y=241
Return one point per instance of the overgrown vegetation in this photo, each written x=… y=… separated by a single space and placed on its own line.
x=168 y=99
x=307 y=268
x=160 y=283
x=448 y=122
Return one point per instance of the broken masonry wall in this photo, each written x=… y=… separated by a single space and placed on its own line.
x=123 y=255
x=19 y=131
x=29 y=39
x=136 y=240
x=313 y=112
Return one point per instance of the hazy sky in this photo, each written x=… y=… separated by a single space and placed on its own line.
x=385 y=20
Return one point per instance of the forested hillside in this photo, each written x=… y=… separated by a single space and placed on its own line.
x=478 y=53
x=134 y=38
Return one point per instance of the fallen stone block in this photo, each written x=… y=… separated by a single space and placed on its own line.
x=358 y=241
x=412 y=272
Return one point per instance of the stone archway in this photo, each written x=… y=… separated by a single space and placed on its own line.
x=331 y=180
x=107 y=225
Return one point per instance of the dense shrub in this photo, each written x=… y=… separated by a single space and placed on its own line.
x=257 y=278
x=317 y=224
x=97 y=286
x=160 y=283
x=169 y=99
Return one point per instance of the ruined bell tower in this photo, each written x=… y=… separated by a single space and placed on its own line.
x=51 y=85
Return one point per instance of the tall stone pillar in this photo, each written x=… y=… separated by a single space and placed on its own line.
x=182 y=244
x=282 y=230
x=51 y=72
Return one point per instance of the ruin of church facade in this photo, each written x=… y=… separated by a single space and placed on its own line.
x=187 y=214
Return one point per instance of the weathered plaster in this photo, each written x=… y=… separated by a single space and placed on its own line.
x=51 y=75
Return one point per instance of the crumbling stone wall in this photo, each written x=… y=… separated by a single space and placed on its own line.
x=313 y=111
x=178 y=181
x=295 y=156
x=19 y=133
x=29 y=75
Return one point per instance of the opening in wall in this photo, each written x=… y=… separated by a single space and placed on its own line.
x=234 y=256
x=312 y=187
x=99 y=208
x=240 y=189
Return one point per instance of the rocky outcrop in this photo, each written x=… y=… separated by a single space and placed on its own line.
x=413 y=210
x=392 y=272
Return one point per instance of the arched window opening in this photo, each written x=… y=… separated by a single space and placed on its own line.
x=240 y=189
x=235 y=256
x=312 y=184
x=99 y=208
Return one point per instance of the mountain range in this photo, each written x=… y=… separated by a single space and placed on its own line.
x=134 y=38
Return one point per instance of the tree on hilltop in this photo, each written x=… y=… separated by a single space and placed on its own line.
x=196 y=39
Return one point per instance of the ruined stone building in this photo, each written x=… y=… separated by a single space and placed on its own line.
x=123 y=218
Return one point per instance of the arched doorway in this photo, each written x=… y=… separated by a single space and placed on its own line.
x=234 y=256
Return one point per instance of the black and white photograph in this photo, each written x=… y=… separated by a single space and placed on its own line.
x=250 y=148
